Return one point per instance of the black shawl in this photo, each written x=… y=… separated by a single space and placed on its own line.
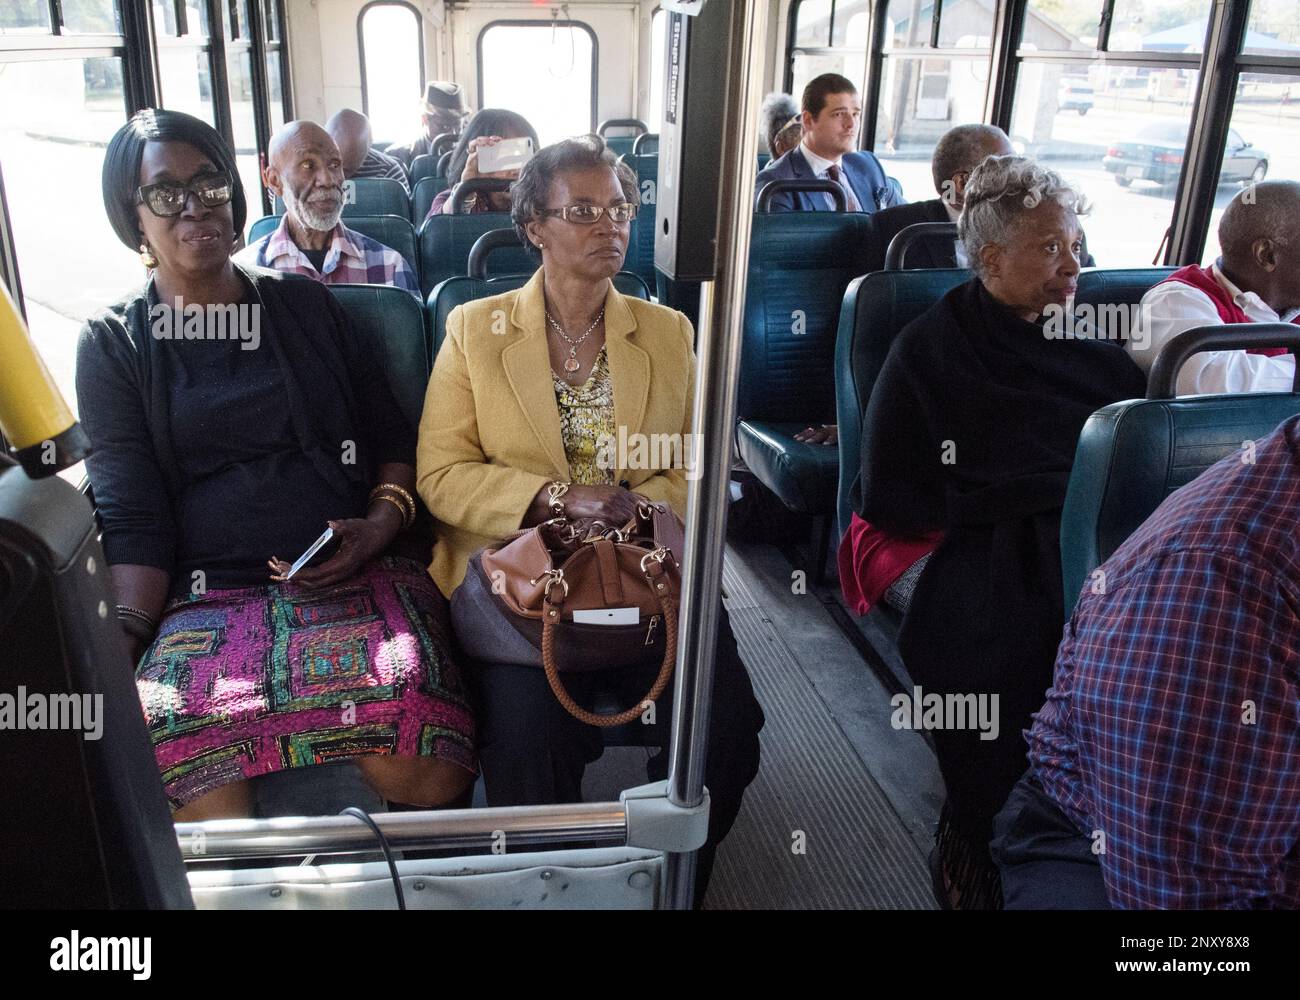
x=971 y=429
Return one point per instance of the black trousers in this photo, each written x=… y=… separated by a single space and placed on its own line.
x=533 y=752
x=1044 y=861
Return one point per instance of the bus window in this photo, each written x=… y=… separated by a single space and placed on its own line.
x=544 y=71
x=1061 y=25
x=1274 y=28
x=1158 y=26
x=89 y=17
x=392 y=60
x=58 y=117
x=185 y=75
x=1261 y=142
x=829 y=37
x=926 y=92
x=658 y=43
x=239 y=77
x=1118 y=130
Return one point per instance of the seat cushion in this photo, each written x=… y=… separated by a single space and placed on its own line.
x=803 y=476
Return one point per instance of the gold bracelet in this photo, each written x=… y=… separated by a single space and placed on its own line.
x=407 y=501
x=126 y=611
x=401 y=511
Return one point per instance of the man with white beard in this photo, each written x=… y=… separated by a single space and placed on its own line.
x=305 y=169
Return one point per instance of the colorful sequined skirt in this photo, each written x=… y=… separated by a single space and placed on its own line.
x=248 y=681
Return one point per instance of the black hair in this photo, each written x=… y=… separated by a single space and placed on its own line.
x=528 y=194
x=121 y=177
x=489 y=121
x=821 y=87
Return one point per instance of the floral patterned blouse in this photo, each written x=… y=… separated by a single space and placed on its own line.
x=587 y=415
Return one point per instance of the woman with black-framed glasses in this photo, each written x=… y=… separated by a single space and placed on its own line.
x=234 y=413
x=532 y=388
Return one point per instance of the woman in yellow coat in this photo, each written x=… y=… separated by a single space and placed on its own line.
x=530 y=388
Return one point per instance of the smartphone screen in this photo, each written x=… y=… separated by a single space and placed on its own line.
x=508 y=154
x=316 y=553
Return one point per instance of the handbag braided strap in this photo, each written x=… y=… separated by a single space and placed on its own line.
x=662 y=585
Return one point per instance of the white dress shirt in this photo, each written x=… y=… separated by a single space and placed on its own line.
x=1172 y=307
x=819 y=167
x=953 y=215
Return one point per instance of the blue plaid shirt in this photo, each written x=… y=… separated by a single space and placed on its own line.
x=1171 y=734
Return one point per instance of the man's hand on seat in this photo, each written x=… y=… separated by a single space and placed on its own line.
x=828 y=434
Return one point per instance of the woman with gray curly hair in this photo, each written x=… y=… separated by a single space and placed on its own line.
x=967 y=446
x=525 y=387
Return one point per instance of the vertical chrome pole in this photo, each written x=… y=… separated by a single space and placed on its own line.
x=722 y=312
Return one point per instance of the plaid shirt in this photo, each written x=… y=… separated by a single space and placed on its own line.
x=1173 y=722
x=352 y=259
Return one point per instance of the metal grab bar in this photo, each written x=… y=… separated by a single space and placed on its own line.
x=1163 y=380
x=902 y=242
x=610 y=123
x=602 y=823
x=772 y=188
x=493 y=239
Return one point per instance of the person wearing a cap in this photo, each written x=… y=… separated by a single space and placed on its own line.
x=443 y=111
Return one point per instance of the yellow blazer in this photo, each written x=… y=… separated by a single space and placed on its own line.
x=490 y=431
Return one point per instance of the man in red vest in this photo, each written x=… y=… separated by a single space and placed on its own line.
x=1255 y=280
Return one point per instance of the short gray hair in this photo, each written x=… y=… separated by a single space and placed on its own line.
x=999 y=191
x=529 y=194
x=962 y=148
x=774 y=117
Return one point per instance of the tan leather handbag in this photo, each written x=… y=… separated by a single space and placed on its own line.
x=530 y=587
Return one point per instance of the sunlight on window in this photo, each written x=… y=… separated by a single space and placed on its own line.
x=391 y=38
x=543 y=72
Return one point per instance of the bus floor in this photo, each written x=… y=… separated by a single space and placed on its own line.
x=842 y=812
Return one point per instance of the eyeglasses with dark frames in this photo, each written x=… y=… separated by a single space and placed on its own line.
x=586 y=215
x=168 y=198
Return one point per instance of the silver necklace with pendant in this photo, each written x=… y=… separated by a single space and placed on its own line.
x=571 y=362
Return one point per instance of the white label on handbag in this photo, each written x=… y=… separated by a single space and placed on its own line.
x=608 y=616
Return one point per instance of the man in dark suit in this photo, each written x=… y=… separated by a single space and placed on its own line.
x=831 y=113
x=957 y=153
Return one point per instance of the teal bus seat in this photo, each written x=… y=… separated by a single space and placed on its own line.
x=368 y=196
x=461 y=289
x=424 y=165
x=641 y=242
x=392 y=323
x=1114 y=287
x=445 y=242
x=799 y=265
x=874 y=311
x=393 y=231
x=423 y=192
x=1133 y=454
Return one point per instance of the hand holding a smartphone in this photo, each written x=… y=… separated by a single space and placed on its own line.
x=493 y=156
x=358 y=541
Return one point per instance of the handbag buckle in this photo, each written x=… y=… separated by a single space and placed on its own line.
x=657 y=555
x=553 y=576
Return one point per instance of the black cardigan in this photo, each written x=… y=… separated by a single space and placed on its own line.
x=335 y=389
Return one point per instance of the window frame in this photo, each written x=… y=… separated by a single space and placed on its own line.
x=361 y=43
x=791 y=49
x=538 y=23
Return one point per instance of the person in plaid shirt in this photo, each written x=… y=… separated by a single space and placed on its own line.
x=305 y=169
x=1167 y=756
